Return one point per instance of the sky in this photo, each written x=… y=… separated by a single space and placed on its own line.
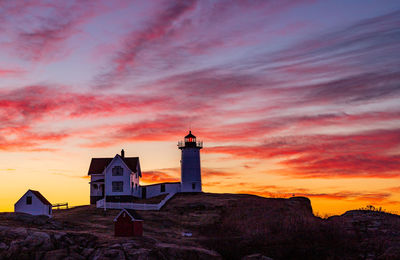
x=289 y=97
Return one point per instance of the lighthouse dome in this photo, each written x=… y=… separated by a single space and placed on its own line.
x=190 y=138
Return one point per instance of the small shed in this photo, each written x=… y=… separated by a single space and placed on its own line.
x=34 y=203
x=128 y=224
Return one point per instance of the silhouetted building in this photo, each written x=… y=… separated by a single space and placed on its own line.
x=190 y=164
x=34 y=203
x=128 y=224
x=117 y=179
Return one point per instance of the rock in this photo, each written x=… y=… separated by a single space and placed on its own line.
x=20 y=232
x=41 y=239
x=185 y=252
x=257 y=257
x=74 y=256
x=13 y=233
x=87 y=252
x=3 y=246
x=392 y=252
x=140 y=254
x=114 y=253
x=59 y=235
x=15 y=247
x=115 y=246
x=106 y=253
x=61 y=253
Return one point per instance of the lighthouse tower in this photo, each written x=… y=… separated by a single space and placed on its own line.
x=190 y=164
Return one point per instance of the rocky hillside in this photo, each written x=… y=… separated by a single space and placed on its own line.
x=222 y=226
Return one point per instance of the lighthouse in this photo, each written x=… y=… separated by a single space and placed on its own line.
x=190 y=164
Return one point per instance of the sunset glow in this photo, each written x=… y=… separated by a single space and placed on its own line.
x=289 y=97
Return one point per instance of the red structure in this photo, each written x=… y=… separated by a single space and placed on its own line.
x=128 y=224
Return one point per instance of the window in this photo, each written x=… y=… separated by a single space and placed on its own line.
x=28 y=200
x=193 y=186
x=162 y=188
x=117 y=171
x=117 y=186
x=49 y=210
x=95 y=186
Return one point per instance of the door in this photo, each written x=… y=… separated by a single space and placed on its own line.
x=143 y=192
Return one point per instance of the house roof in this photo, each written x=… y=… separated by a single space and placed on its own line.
x=40 y=197
x=132 y=213
x=97 y=165
x=99 y=180
x=177 y=182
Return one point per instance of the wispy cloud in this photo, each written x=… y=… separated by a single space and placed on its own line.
x=137 y=41
x=367 y=154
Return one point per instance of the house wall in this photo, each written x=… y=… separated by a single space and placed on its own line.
x=96 y=193
x=135 y=181
x=128 y=178
x=93 y=190
x=190 y=170
x=155 y=190
x=36 y=208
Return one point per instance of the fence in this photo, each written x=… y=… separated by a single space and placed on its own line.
x=58 y=205
x=136 y=206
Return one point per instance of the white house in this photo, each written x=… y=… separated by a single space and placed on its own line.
x=118 y=179
x=34 y=203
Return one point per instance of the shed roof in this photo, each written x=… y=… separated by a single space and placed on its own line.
x=40 y=197
x=132 y=213
x=97 y=165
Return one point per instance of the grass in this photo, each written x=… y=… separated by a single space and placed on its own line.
x=234 y=225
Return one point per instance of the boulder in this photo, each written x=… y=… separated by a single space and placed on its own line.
x=257 y=257
x=37 y=239
x=3 y=246
x=174 y=251
x=57 y=254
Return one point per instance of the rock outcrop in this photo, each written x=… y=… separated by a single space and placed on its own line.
x=22 y=243
x=221 y=226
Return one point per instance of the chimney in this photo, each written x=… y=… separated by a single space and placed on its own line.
x=122 y=153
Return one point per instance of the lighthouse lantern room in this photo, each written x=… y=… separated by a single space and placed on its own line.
x=190 y=164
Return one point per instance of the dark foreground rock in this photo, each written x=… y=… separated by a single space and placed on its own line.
x=221 y=226
x=22 y=243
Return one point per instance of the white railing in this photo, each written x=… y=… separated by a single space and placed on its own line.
x=182 y=144
x=136 y=206
x=100 y=203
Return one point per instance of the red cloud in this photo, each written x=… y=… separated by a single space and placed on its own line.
x=343 y=195
x=10 y=72
x=359 y=155
x=39 y=31
x=162 y=175
x=173 y=175
x=280 y=191
x=138 y=41
x=22 y=109
x=395 y=189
